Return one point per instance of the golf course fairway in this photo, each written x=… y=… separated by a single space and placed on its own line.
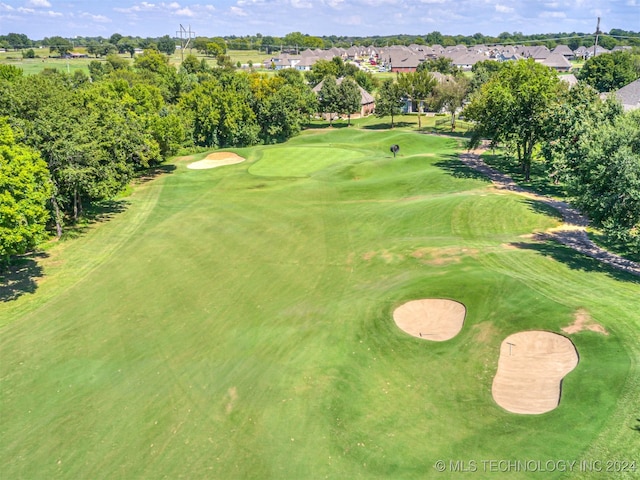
x=237 y=322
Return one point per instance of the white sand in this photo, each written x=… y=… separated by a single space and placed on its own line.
x=434 y=319
x=217 y=159
x=530 y=371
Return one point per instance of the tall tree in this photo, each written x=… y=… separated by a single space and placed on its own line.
x=167 y=45
x=605 y=178
x=449 y=95
x=609 y=71
x=513 y=106
x=389 y=100
x=417 y=86
x=24 y=190
x=350 y=99
x=329 y=98
x=60 y=45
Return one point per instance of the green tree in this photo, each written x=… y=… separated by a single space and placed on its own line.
x=321 y=70
x=17 y=40
x=126 y=45
x=605 y=177
x=60 y=45
x=167 y=45
x=191 y=64
x=417 y=86
x=349 y=98
x=609 y=71
x=293 y=39
x=152 y=61
x=24 y=190
x=329 y=98
x=282 y=110
x=449 y=95
x=268 y=43
x=482 y=72
x=513 y=106
x=10 y=72
x=389 y=100
x=116 y=62
x=443 y=65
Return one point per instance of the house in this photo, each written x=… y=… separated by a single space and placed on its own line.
x=557 y=61
x=466 y=61
x=629 y=96
x=367 y=102
x=563 y=50
x=401 y=60
x=570 y=79
x=306 y=63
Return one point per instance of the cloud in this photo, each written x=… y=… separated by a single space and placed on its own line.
x=238 y=12
x=6 y=8
x=301 y=4
x=504 y=9
x=185 y=12
x=547 y=14
x=95 y=18
x=39 y=3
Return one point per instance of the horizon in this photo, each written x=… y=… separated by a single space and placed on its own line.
x=39 y=19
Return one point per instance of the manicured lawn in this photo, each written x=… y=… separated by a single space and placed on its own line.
x=237 y=323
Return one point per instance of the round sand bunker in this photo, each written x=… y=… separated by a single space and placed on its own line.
x=217 y=159
x=434 y=319
x=530 y=371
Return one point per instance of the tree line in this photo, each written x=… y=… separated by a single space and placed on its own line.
x=67 y=141
x=587 y=145
x=301 y=41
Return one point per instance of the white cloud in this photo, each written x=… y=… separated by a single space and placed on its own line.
x=552 y=15
x=185 y=12
x=301 y=4
x=39 y=3
x=504 y=9
x=238 y=12
x=26 y=10
x=53 y=14
x=95 y=18
x=8 y=8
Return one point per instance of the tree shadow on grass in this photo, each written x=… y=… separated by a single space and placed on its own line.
x=575 y=260
x=153 y=172
x=637 y=426
x=96 y=212
x=20 y=277
x=387 y=125
x=458 y=169
x=543 y=209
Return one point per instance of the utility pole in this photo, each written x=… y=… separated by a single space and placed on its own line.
x=598 y=32
x=185 y=40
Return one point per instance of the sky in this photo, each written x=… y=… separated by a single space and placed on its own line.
x=70 y=18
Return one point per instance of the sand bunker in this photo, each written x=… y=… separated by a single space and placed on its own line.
x=433 y=319
x=217 y=159
x=530 y=371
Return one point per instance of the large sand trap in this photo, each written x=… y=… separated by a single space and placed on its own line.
x=433 y=319
x=530 y=371
x=217 y=159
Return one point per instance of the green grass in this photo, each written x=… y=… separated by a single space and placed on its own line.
x=236 y=323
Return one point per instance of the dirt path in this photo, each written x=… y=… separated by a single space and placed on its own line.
x=572 y=233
